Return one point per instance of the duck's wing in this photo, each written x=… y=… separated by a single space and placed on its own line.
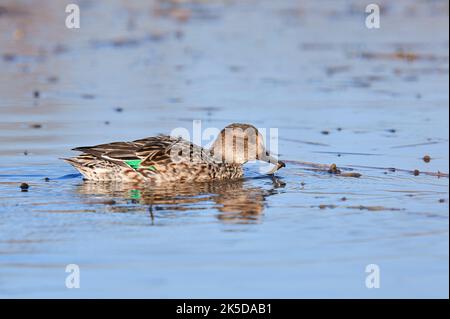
x=150 y=151
x=165 y=150
x=117 y=152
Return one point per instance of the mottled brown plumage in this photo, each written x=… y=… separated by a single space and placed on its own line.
x=171 y=159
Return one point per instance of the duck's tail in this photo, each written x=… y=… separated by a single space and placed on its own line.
x=80 y=165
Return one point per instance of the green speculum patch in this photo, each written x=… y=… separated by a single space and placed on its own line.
x=135 y=164
x=135 y=193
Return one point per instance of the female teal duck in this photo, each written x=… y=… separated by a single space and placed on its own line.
x=170 y=159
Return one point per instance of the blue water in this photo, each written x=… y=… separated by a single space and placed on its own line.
x=302 y=68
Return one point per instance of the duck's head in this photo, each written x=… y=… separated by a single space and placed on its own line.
x=240 y=143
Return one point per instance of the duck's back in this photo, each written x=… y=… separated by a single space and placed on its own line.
x=155 y=159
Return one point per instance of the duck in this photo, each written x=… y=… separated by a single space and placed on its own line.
x=165 y=158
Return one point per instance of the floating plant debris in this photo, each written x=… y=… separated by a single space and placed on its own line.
x=401 y=55
x=426 y=158
x=323 y=206
x=356 y=175
x=333 y=169
x=52 y=79
x=88 y=96
x=392 y=169
x=360 y=207
x=374 y=208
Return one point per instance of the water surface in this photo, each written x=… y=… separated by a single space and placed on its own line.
x=367 y=100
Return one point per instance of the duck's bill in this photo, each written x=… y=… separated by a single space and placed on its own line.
x=276 y=167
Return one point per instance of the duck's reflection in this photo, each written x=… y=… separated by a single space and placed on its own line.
x=235 y=201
